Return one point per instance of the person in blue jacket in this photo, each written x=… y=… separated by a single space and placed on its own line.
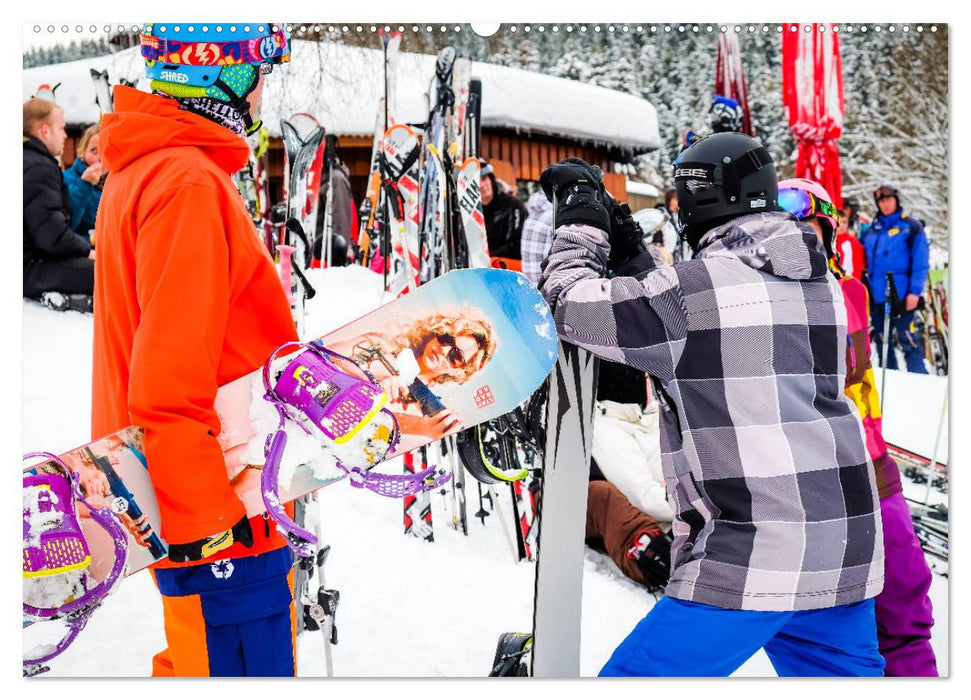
x=84 y=180
x=896 y=243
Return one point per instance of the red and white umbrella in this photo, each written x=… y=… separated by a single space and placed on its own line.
x=812 y=94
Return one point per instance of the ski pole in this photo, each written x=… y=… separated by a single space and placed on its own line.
x=286 y=269
x=482 y=512
x=887 y=310
x=937 y=443
x=494 y=497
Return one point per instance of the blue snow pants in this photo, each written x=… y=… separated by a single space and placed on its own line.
x=232 y=617
x=681 y=638
x=903 y=332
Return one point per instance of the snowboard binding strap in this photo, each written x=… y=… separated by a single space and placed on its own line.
x=311 y=388
x=54 y=548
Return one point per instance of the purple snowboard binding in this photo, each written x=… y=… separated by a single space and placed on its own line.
x=57 y=583
x=346 y=412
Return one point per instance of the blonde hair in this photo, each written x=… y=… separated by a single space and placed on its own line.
x=453 y=322
x=92 y=130
x=415 y=336
x=37 y=111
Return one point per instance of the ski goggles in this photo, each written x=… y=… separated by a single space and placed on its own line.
x=884 y=193
x=803 y=204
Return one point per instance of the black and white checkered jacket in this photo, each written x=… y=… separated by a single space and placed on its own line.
x=764 y=457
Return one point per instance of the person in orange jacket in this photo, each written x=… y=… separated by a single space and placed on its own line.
x=188 y=300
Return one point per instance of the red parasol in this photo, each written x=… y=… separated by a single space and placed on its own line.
x=812 y=94
x=730 y=76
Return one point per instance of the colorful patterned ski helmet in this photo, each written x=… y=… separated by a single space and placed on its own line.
x=220 y=61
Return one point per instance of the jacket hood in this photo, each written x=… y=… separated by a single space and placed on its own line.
x=143 y=123
x=772 y=242
x=538 y=203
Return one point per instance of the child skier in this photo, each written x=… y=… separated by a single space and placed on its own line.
x=188 y=299
x=777 y=539
x=903 y=608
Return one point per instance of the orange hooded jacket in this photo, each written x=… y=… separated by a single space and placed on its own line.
x=186 y=300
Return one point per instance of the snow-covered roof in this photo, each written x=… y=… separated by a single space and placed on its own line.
x=340 y=85
x=642 y=188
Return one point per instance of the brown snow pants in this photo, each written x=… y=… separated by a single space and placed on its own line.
x=612 y=518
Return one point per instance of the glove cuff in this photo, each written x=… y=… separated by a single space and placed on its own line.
x=581 y=203
x=200 y=549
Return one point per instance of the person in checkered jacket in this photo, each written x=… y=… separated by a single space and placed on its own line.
x=777 y=533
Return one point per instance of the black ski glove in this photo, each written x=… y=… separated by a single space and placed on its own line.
x=579 y=193
x=207 y=546
x=626 y=236
x=652 y=552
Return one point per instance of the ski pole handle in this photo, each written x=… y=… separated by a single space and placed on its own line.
x=887 y=311
x=286 y=269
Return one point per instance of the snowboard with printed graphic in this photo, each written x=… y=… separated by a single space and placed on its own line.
x=459 y=350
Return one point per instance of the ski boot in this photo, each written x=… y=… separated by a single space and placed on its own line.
x=56 y=557
x=60 y=301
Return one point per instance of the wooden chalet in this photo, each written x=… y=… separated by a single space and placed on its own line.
x=529 y=120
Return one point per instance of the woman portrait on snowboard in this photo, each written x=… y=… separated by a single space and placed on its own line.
x=447 y=347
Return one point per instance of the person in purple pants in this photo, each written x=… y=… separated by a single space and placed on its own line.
x=903 y=609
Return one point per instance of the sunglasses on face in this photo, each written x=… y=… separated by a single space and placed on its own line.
x=803 y=204
x=454 y=356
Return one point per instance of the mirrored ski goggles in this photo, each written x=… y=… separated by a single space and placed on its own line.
x=802 y=204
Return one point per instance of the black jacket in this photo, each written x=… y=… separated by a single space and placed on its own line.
x=47 y=209
x=343 y=209
x=504 y=218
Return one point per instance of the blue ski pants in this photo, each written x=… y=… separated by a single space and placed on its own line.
x=905 y=331
x=233 y=617
x=681 y=638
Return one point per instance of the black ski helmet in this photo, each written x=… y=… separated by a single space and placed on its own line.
x=720 y=177
x=886 y=191
x=853 y=204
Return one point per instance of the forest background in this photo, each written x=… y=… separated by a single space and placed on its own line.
x=895 y=77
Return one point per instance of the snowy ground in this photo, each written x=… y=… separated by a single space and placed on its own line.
x=408 y=608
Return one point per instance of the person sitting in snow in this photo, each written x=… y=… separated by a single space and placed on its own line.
x=628 y=515
x=58 y=263
x=84 y=180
